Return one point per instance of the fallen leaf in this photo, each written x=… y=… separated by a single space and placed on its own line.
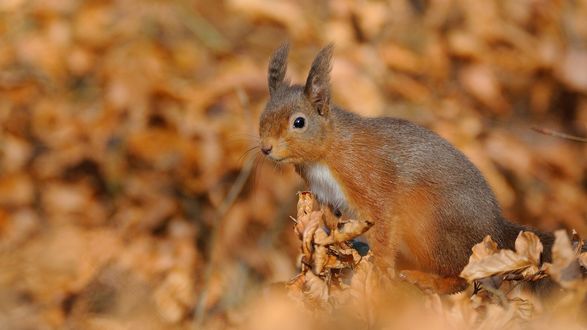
x=489 y=263
x=565 y=267
x=174 y=297
x=529 y=245
x=571 y=69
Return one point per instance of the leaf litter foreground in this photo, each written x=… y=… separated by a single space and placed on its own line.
x=338 y=285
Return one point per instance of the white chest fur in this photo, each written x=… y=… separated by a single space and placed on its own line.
x=325 y=186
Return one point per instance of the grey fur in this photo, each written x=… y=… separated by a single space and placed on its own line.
x=407 y=157
x=277 y=68
x=317 y=87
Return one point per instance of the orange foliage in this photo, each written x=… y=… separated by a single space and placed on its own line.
x=128 y=198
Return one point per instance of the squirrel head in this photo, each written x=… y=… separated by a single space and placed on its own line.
x=295 y=125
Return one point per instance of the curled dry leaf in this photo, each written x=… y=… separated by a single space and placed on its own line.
x=363 y=288
x=485 y=262
x=524 y=308
x=490 y=268
x=305 y=203
x=529 y=245
x=295 y=287
x=484 y=249
x=565 y=268
x=320 y=253
x=312 y=222
x=578 y=243
x=318 y=250
x=315 y=288
x=333 y=274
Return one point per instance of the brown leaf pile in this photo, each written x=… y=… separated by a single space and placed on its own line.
x=489 y=264
x=332 y=274
x=335 y=283
x=128 y=198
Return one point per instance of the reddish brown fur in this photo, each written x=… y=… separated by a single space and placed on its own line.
x=428 y=202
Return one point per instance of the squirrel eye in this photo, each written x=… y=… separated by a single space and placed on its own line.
x=299 y=122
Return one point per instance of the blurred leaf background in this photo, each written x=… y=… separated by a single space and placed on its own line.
x=128 y=198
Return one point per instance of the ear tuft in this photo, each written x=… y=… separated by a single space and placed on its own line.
x=277 y=67
x=317 y=87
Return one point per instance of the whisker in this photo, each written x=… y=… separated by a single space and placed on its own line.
x=247 y=152
x=276 y=166
x=255 y=175
x=258 y=159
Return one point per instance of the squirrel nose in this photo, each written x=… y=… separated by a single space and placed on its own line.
x=266 y=149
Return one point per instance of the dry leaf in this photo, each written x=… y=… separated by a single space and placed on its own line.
x=305 y=203
x=284 y=12
x=571 y=69
x=315 y=288
x=565 y=268
x=529 y=245
x=484 y=249
x=174 y=297
x=482 y=83
x=121 y=119
x=488 y=263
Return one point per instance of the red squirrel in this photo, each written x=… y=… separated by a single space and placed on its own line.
x=420 y=202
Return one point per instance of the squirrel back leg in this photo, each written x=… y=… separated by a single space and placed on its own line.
x=433 y=283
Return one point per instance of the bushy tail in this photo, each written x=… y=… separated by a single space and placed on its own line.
x=547 y=239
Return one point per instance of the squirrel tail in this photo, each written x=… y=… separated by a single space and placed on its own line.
x=547 y=239
x=545 y=286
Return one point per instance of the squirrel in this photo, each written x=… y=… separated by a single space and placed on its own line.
x=420 y=203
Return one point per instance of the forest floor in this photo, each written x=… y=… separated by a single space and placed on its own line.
x=128 y=199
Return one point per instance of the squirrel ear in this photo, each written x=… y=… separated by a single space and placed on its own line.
x=317 y=87
x=277 y=67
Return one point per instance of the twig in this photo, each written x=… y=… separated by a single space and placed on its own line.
x=222 y=209
x=561 y=135
x=203 y=29
x=236 y=187
x=233 y=193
